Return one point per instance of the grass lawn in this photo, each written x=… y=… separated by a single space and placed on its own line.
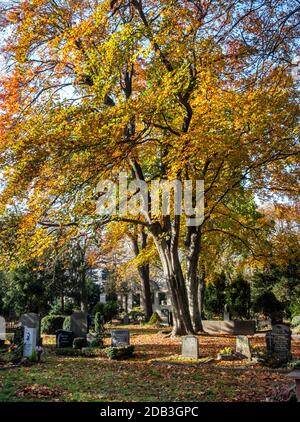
x=155 y=374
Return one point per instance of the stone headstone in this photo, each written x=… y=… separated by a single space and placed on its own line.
x=190 y=347
x=103 y=298
x=243 y=346
x=279 y=342
x=64 y=339
x=79 y=324
x=2 y=328
x=227 y=316
x=120 y=338
x=32 y=320
x=126 y=320
x=30 y=340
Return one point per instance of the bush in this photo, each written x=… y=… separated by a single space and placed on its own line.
x=137 y=314
x=296 y=329
x=68 y=351
x=51 y=323
x=269 y=305
x=67 y=324
x=96 y=343
x=99 y=329
x=295 y=321
x=33 y=357
x=121 y=352
x=155 y=319
x=56 y=308
x=109 y=310
x=79 y=343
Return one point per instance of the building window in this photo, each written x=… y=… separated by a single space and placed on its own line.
x=162 y=298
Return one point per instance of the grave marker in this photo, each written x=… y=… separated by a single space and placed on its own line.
x=243 y=346
x=30 y=341
x=279 y=342
x=79 y=324
x=190 y=347
x=120 y=338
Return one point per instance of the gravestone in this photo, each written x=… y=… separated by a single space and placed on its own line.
x=126 y=320
x=79 y=324
x=30 y=341
x=279 y=342
x=119 y=338
x=227 y=316
x=32 y=320
x=190 y=347
x=2 y=329
x=64 y=339
x=102 y=298
x=243 y=346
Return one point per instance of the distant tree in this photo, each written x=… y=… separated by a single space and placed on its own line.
x=238 y=297
x=214 y=298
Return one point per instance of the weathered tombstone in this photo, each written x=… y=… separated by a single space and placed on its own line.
x=2 y=329
x=64 y=339
x=126 y=320
x=120 y=338
x=32 y=320
x=30 y=340
x=102 y=298
x=279 y=342
x=227 y=316
x=79 y=324
x=243 y=346
x=190 y=347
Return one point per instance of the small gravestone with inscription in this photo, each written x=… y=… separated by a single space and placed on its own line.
x=190 y=347
x=119 y=338
x=64 y=339
x=243 y=346
x=279 y=342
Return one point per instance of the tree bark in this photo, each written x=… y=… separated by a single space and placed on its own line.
x=168 y=252
x=193 y=244
x=144 y=275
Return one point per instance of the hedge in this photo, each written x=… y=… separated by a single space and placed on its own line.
x=51 y=323
x=121 y=352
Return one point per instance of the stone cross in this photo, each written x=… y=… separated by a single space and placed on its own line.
x=190 y=347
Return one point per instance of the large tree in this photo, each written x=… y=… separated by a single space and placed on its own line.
x=164 y=89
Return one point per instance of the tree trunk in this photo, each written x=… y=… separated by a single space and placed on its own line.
x=193 y=245
x=62 y=301
x=146 y=300
x=201 y=290
x=83 y=298
x=168 y=253
x=144 y=275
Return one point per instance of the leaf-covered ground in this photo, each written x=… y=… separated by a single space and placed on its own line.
x=156 y=374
